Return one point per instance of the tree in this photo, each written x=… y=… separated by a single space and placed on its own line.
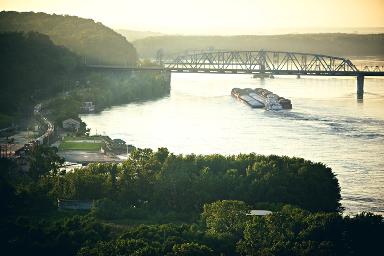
x=7 y=190
x=364 y=232
x=84 y=185
x=293 y=231
x=134 y=247
x=191 y=249
x=226 y=217
x=43 y=161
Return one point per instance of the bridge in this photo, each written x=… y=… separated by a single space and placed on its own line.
x=261 y=64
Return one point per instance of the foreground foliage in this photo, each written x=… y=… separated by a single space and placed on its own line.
x=167 y=182
x=200 y=221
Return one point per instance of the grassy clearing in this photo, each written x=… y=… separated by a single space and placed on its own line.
x=84 y=138
x=91 y=144
x=80 y=146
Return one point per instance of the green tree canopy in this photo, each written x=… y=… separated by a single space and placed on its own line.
x=225 y=217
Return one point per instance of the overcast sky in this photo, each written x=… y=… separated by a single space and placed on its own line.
x=214 y=16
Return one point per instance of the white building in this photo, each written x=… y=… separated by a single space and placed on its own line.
x=259 y=213
x=71 y=124
x=88 y=106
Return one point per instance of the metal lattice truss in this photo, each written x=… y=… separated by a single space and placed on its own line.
x=373 y=68
x=261 y=62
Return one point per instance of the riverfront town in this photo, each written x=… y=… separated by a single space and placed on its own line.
x=124 y=131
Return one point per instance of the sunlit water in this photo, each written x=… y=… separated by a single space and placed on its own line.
x=326 y=124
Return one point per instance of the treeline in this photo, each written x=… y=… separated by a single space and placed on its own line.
x=30 y=224
x=87 y=38
x=290 y=231
x=132 y=35
x=331 y=44
x=106 y=89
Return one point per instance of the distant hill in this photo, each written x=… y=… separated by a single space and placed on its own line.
x=132 y=35
x=332 y=44
x=98 y=43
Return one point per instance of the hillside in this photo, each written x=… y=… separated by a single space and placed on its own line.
x=132 y=35
x=31 y=68
x=332 y=44
x=98 y=43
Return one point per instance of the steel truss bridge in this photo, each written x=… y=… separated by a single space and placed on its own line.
x=273 y=62
x=261 y=63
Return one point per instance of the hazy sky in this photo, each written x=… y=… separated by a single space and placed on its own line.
x=214 y=16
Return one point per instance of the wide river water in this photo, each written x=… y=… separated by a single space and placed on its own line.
x=327 y=124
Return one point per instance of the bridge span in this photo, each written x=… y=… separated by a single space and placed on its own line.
x=260 y=63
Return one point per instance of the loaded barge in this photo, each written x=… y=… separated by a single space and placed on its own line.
x=261 y=98
x=244 y=96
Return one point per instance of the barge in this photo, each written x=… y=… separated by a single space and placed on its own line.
x=260 y=98
x=243 y=95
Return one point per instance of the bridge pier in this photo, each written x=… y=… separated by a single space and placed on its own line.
x=360 y=87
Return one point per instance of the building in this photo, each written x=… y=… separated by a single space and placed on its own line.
x=64 y=204
x=88 y=107
x=259 y=213
x=71 y=124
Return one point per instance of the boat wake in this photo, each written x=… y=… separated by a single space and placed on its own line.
x=364 y=128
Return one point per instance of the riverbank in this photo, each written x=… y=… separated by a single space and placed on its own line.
x=102 y=90
x=106 y=89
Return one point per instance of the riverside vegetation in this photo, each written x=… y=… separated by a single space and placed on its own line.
x=158 y=203
x=35 y=70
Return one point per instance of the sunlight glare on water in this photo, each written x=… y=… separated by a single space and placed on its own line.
x=327 y=124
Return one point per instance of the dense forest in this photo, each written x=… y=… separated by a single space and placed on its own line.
x=31 y=68
x=180 y=183
x=85 y=37
x=158 y=203
x=331 y=44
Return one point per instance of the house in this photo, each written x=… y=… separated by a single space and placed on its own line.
x=63 y=204
x=71 y=124
x=88 y=106
x=37 y=108
x=259 y=212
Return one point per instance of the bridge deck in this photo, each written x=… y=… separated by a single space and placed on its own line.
x=254 y=62
x=237 y=71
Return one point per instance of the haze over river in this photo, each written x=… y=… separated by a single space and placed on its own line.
x=327 y=124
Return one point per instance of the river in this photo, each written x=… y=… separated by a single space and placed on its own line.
x=327 y=124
